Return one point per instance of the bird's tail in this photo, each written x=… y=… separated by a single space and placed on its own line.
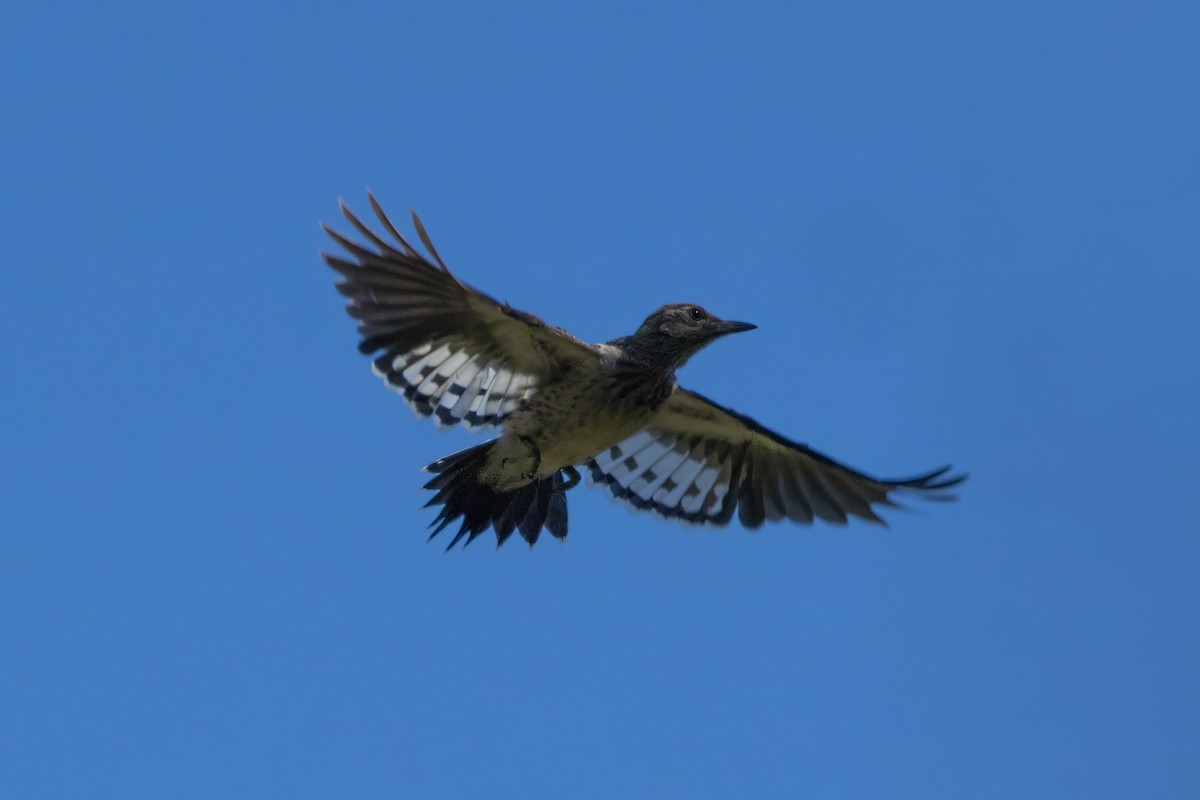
x=461 y=495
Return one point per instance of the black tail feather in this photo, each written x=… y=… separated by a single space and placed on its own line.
x=541 y=504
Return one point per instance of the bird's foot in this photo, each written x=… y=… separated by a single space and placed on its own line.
x=572 y=479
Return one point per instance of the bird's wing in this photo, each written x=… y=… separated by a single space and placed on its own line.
x=697 y=461
x=453 y=352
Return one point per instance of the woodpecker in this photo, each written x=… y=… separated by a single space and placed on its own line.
x=462 y=358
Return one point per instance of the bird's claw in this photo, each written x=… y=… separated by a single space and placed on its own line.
x=572 y=479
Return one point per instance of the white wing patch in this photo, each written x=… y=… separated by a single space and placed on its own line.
x=684 y=478
x=448 y=382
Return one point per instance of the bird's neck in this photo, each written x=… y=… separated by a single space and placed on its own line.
x=641 y=374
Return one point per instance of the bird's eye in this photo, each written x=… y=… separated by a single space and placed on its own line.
x=695 y=313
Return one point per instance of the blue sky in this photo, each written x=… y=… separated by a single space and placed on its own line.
x=966 y=234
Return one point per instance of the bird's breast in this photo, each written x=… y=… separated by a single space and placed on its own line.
x=573 y=421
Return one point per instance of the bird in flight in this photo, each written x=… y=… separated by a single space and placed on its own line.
x=460 y=357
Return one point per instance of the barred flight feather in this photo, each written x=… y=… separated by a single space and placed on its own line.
x=453 y=385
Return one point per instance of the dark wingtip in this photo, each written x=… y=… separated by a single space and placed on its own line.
x=425 y=240
x=932 y=485
x=929 y=480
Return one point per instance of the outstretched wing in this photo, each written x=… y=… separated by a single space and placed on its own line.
x=697 y=461
x=453 y=352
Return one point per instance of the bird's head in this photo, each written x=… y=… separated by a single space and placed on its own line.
x=677 y=332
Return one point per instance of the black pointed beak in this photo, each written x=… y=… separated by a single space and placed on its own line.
x=724 y=328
